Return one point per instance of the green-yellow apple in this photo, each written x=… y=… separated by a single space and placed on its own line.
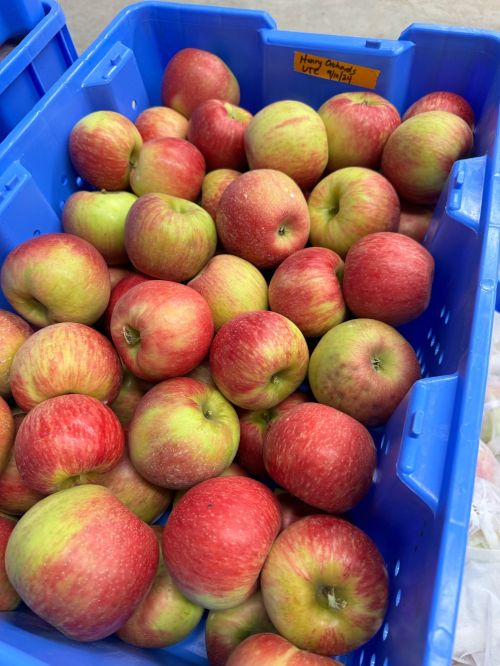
x=364 y=368
x=388 y=276
x=13 y=332
x=161 y=329
x=414 y=220
x=272 y=650
x=213 y=186
x=56 y=277
x=218 y=537
x=131 y=391
x=103 y=146
x=99 y=218
x=9 y=599
x=442 y=100
x=82 y=561
x=193 y=76
x=6 y=434
x=164 y=616
x=349 y=204
x=357 y=124
x=306 y=288
x=85 y=360
x=159 y=122
x=231 y=286
x=258 y=359
x=169 y=238
x=226 y=629
x=84 y=435
x=183 y=432
x=420 y=153
x=321 y=455
x=288 y=136
x=324 y=585
x=263 y=217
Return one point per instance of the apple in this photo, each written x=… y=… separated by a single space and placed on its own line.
x=103 y=147
x=131 y=391
x=226 y=629
x=117 y=273
x=84 y=436
x=442 y=100
x=213 y=186
x=420 y=153
x=99 y=218
x=231 y=286
x=169 y=238
x=321 y=455
x=349 y=204
x=82 y=561
x=388 y=276
x=253 y=428
x=193 y=76
x=217 y=539
x=9 y=599
x=288 y=136
x=13 y=332
x=272 y=650
x=160 y=122
x=232 y=470
x=263 y=217
x=217 y=129
x=121 y=287
x=183 y=432
x=169 y=166
x=306 y=288
x=293 y=509
x=337 y=580
x=6 y=434
x=357 y=125
x=202 y=372
x=56 y=277
x=258 y=359
x=161 y=329
x=85 y=360
x=414 y=221
x=164 y=617
x=364 y=368
x=147 y=501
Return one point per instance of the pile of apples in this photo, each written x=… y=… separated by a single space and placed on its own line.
x=169 y=331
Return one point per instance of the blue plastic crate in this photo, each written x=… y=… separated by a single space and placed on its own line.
x=418 y=508
x=37 y=50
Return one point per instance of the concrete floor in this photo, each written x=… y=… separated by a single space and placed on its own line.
x=366 y=18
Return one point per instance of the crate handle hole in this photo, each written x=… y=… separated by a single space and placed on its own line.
x=79 y=181
x=361 y=657
x=397 y=567
x=385 y=631
x=64 y=180
x=398 y=598
x=373 y=659
x=36 y=232
x=134 y=104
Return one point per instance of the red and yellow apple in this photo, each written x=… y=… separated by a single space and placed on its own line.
x=13 y=332
x=160 y=122
x=213 y=186
x=9 y=599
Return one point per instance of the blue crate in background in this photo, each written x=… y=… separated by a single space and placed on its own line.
x=418 y=508
x=35 y=50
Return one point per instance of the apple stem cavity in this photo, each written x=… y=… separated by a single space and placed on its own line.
x=207 y=413
x=131 y=335
x=376 y=363
x=281 y=230
x=333 y=601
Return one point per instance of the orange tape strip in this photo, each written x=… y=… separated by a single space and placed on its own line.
x=335 y=70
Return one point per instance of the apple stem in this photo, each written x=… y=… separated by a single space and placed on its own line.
x=131 y=335
x=376 y=363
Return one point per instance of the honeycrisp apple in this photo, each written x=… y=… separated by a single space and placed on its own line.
x=6 y=434
x=213 y=186
x=86 y=363
x=263 y=217
x=103 y=146
x=56 y=277
x=388 y=277
x=442 y=100
x=217 y=129
x=357 y=125
x=124 y=285
x=258 y=359
x=349 y=204
x=109 y=559
x=233 y=470
x=288 y=136
x=84 y=436
x=183 y=432
x=414 y=221
x=231 y=286
x=169 y=238
x=306 y=288
x=161 y=329
x=217 y=539
x=193 y=76
x=170 y=166
x=272 y=650
x=338 y=582
x=420 y=153
x=292 y=508
x=99 y=218
x=9 y=599
x=131 y=391
x=160 y=122
x=320 y=455
x=364 y=368
x=117 y=273
x=13 y=332
x=226 y=629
